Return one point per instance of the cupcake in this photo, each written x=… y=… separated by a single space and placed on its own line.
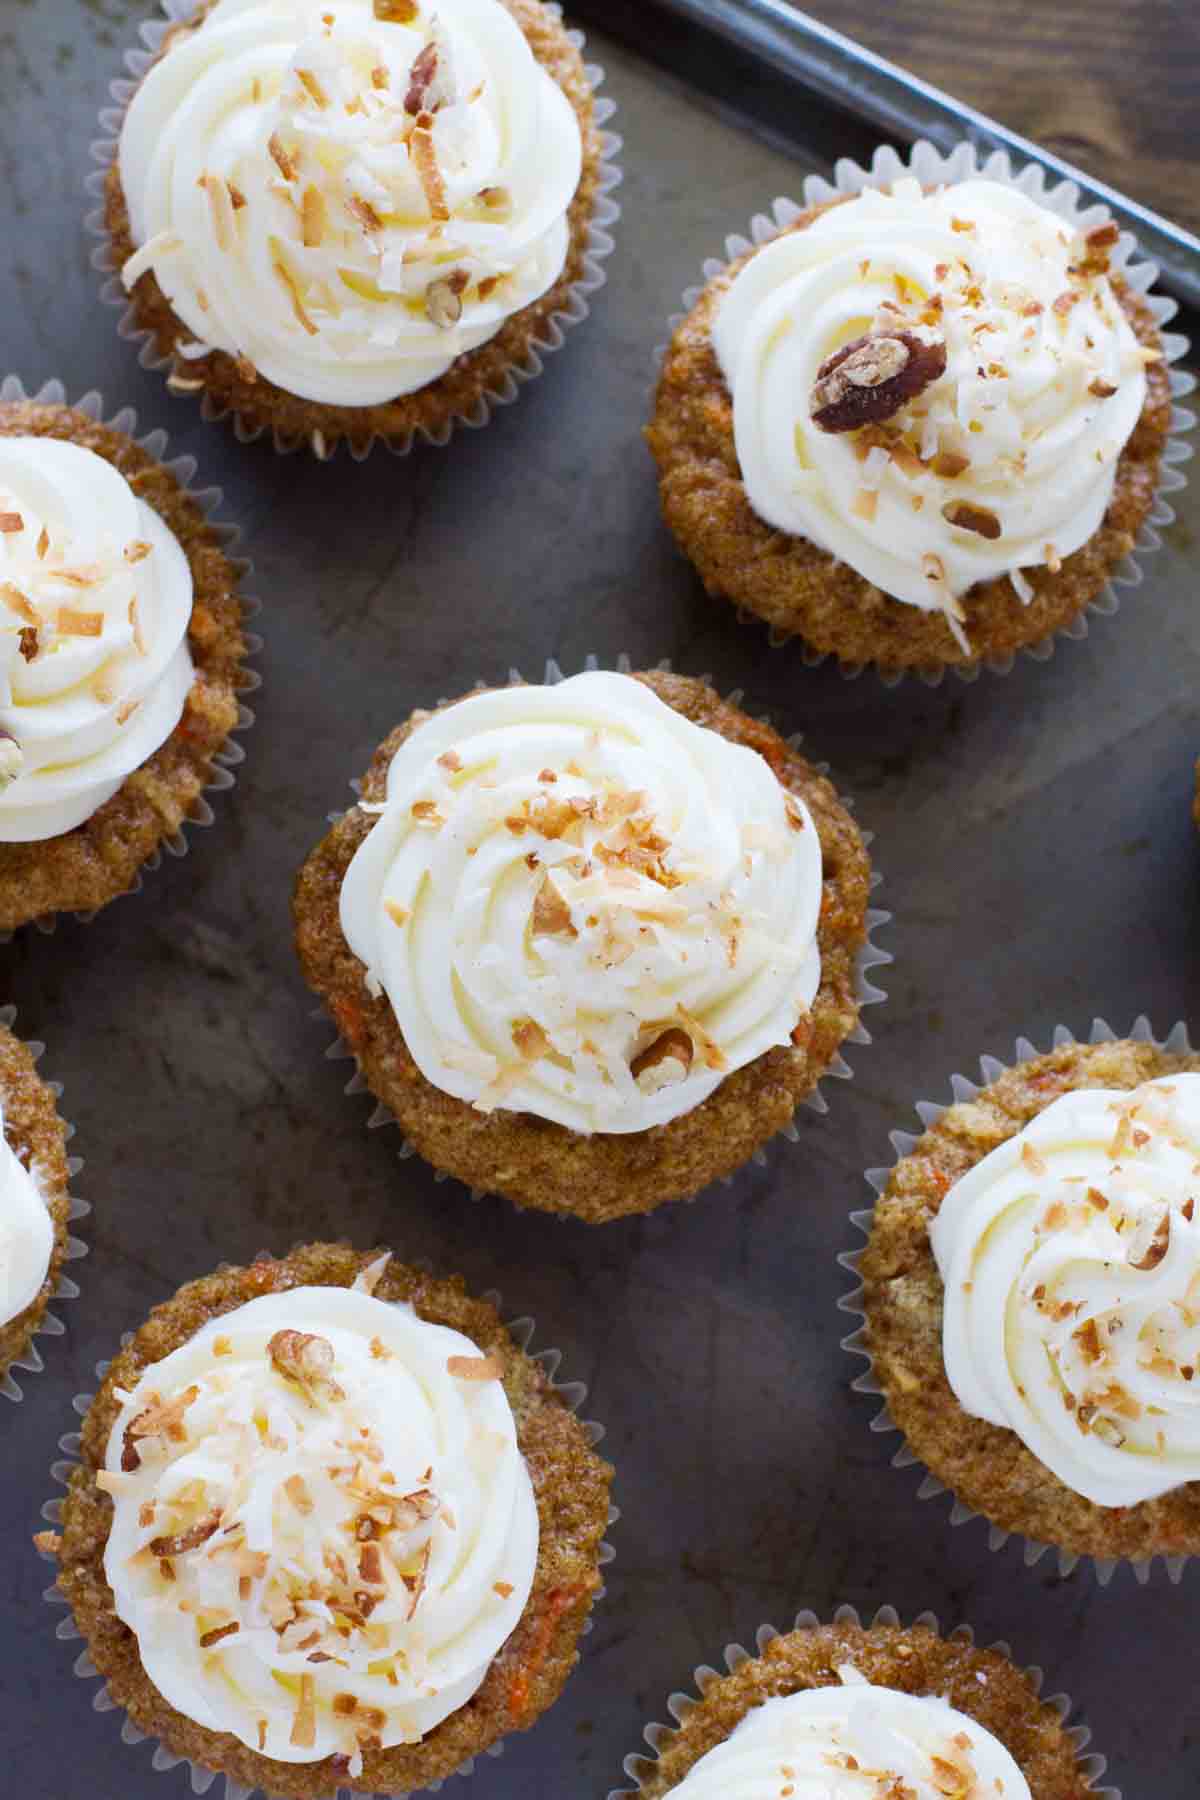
x=591 y=943
x=839 y=1709
x=331 y=1528
x=1031 y=1287
x=35 y=1208
x=122 y=659
x=357 y=218
x=919 y=427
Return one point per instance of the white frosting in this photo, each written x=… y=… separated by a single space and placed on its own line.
x=293 y=1481
x=853 y=1743
x=26 y=1234
x=95 y=602
x=1051 y=1328
x=563 y=874
x=1014 y=398
x=272 y=164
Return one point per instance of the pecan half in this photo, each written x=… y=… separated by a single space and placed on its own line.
x=307 y=1360
x=979 y=519
x=664 y=1062
x=870 y=379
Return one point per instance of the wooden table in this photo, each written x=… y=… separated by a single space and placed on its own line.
x=1112 y=85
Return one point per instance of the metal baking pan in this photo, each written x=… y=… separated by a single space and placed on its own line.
x=1034 y=833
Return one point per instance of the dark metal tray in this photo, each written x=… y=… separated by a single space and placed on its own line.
x=1039 y=855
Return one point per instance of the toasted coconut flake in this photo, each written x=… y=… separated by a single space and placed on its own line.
x=1065 y=301
x=296 y=1489
x=395 y=913
x=503 y=1588
x=531 y=1041
x=475 y=1368
x=210 y=1639
x=137 y=550
x=282 y=157
x=290 y=283
x=163 y=243
x=11 y=522
x=220 y=209
x=1150 y=1241
x=710 y=1050
x=312 y=216
x=551 y=916
x=50 y=1542
x=1103 y=390
x=428 y=173
x=16 y=601
x=380 y=78
x=79 y=624
x=425 y=812
x=191 y=1539
x=451 y=761
x=364 y=213
x=304 y=1725
x=159 y=1419
x=865 y=503
x=313 y=88
x=1053 y=559
x=421 y=78
x=416 y=1583
x=43 y=544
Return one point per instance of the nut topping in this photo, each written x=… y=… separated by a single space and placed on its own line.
x=870 y=379
x=1150 y=1242
x=191 y=1539
x=443 y=299
x=551 y=915
x=979 y=519
x=306 y=1359
x=664 y=1062
x=157 y=1420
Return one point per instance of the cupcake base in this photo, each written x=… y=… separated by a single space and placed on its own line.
x=984 y=1684
x=987 y=1469
x=482 y=379
x=544 y=1166
x=83 y=869
x=571 y=1485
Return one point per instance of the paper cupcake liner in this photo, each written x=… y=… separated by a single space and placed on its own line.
x=573 y=1395
x=639 y=1767
x=507 y=388
x=228 y=536
x=932 y=168
x=869 y=957
x=1176 y=1042
x=30 y=1360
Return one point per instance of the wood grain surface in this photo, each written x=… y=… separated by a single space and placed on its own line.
x=1112 y=85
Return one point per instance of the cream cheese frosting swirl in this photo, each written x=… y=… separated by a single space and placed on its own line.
x=583 y=906
x=1007 y=460
x=1070 y=1258
x=26 y=1234
x=323 y=1528
x=856 y=1742
x=346 y=201
x=95 y=603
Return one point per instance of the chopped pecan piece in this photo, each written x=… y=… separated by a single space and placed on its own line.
x=665 y=1062
x=870 y=379
x=191 y=1539
x=968 y=517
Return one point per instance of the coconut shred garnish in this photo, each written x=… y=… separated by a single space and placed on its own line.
x=323 y=1529
x=971 y=431
x=856 y=1741
x=346 y=197
x=583 y=906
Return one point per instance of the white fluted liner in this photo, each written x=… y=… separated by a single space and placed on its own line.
x=30 y=1360
x=507 y=388
x=932 y=168
x=866 y=992
x=1178 y=1043
x=573 y=1395
x=210 y=500
x=638 y=1767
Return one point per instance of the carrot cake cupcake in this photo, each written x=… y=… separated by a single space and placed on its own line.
x=355 y=218
x=331 y=1528
x=845 y=1709
x=120 y=659
x=591 y=943
x=917 y=428
x=34 y=1204
x=1032 y=1300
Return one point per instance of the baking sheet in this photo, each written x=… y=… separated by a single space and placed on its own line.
x=1039 y=855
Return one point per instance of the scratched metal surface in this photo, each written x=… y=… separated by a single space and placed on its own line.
x=1039 y=855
